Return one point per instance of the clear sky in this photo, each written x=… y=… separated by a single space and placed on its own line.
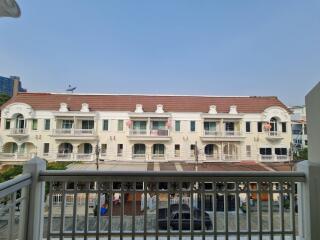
x=165 y=46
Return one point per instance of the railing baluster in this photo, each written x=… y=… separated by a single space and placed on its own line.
x=63 y=203
x=191 y=210
x=237 y=205
x=180 y=209
x=134 y=204
x=248 y=210
x=11 y=215
x=292 y=207
x=121 y=210
x=75 y=202
x=49 y=212
x=98 y=210
x=226 y=217
x=157 y=210
x=281 y=211
x=145 y=210
x=259 y=188
x=203 y=225
x=86 y=211
x=110 y=195
x=215 y=228
x=168 y=211
x=270 y=203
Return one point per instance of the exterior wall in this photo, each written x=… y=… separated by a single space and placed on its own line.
x=113 y=137
x=10 y=86
x=299 y=121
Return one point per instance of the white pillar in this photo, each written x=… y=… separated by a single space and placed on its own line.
x=36 y=198
x=309 y=191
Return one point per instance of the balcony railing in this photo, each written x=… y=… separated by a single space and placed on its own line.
x=73 y=132
x=151 y=132
x=274 y=158
x=18 y=131
x=98 y=204
x=273 y=134
x=74 y=156
x=213 y=133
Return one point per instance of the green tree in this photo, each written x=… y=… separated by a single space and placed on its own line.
x=301 y=154
x=3 y=98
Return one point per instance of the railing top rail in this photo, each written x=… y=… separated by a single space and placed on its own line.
x=14 y=184
x=57 y=175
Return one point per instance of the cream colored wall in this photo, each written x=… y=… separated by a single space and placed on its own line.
x=185 y=138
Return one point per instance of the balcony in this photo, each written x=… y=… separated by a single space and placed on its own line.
x=273 y=135
x=270 y=158
x=152 y=134
x=209 y=205
x=74 y=157
x=72 y=133
x=210 y=135
x=18 y=132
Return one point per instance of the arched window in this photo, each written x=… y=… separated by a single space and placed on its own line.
x=274 y=125
x=158 y=149
x=20 y=122
x=139 y=149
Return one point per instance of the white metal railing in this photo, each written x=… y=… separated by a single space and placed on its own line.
x=266 y=157
x=212 y=157
x=158 y=156
x=16 y=156
x=212 y=133
x=232 y=133
x=226 y=205
x=138 y=132
x=13 y=200
x=84 y=156
x=282 y=157
x=273 y=133
x=73 y=132
x=18 y=131
x=139 y=156
x=159 y=132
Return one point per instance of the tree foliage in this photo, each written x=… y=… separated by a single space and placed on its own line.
x=301 y=154
x=3 y=98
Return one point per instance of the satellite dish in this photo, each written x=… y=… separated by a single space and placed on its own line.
x=9 y=8
x=70 y=88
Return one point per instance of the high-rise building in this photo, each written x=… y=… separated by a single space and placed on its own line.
x=11 y=86
x=299 y=127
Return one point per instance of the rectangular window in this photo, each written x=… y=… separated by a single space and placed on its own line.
x=177 y=150
x=177 y=126
x=139 y=125
x=192 y=126
x=306 y=142
x=103 y=149
x=209 y=126
x=248 y=126
x=248 y=150
x=120 y=125
x=47 y=124
x=120 y=150
x=158 y=125
x=8 y=121
x=192 y=150
x=105 y=126
x=265 y=151
x=34 y=124
x=284 y=127
x=305 y=129
x=87 y=124
x=280 y=151
x=259 y=126
x=229 y=126
x=67 y=124
x=46 y=148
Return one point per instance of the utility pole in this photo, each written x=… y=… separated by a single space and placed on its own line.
x=97 y=155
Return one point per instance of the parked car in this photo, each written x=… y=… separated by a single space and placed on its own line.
x=185 y=220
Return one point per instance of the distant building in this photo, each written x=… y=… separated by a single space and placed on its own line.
x=155 y=128
x=11 y=86
x=299 y=127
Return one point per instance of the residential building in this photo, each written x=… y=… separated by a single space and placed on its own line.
x=68 y=127
x=11 y=86
x=299 y=127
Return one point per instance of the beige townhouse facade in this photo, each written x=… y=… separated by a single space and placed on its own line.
x=140 y=128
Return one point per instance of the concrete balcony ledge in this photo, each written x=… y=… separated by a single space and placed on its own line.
x=18 y=132
x=72 y=133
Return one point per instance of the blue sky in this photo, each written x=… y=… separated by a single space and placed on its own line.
x=165 y=46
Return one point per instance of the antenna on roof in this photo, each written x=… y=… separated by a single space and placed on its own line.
x=70 y=88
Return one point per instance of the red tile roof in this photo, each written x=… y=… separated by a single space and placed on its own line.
x=122 y=102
